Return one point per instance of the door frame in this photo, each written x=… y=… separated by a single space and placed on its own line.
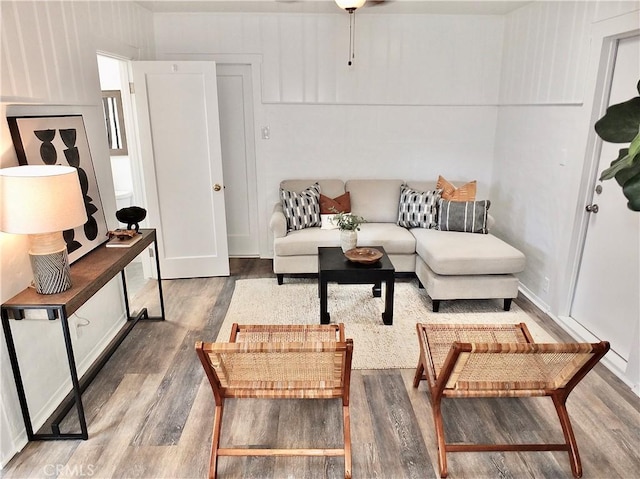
x=131 y=127
x=605 y=36
x=255 y=62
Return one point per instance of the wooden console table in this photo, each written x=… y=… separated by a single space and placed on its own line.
x=88 y=275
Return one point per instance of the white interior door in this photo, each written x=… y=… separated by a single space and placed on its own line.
x=235 y=99
x=607 y=296
x=177 y=110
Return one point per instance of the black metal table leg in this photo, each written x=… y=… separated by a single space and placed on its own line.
x=13 y=358
x=155 y=246
x=74 y=375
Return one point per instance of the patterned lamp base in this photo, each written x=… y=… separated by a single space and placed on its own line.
x=51 y=272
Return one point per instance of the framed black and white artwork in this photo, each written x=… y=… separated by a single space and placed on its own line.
x=62 y=140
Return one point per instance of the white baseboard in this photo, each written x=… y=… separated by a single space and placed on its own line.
x=38 y=418
x=541 y=305
x=612 y=361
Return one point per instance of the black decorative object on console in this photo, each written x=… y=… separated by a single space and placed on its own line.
x=131 y=216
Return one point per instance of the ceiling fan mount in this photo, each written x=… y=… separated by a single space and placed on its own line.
x=351 y=6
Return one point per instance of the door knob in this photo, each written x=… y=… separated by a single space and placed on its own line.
x=217 y=187
x=592 y=208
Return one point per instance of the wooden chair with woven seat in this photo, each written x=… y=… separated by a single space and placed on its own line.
x=473 y=361
x=276 y=362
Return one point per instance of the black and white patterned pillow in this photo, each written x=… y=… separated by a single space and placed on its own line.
x=465 y=216
x=302 y=210
x=417 y=209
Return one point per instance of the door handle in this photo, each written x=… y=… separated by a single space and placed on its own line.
x=592 y=208
x=217 y=187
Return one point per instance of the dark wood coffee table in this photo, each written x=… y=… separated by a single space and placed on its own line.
x=335 y=267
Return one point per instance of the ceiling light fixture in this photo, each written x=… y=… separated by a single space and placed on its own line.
x=351 y=6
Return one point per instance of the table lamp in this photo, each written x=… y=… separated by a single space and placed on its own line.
x=43 y=201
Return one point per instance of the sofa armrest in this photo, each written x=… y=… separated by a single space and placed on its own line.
x=278 y=222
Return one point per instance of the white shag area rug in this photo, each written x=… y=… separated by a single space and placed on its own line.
x=376 y=346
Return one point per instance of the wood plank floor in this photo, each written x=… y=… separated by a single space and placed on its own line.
x=150 y=412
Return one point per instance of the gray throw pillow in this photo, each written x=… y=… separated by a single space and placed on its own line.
x=466 y=216
x=302 y=210
x=417 y=209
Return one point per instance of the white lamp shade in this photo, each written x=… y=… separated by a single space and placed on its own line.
x=350 y=3
x=38 y=199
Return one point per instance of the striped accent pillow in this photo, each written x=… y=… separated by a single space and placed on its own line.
x=417 y=209
x=302 y=210
x=465 y=216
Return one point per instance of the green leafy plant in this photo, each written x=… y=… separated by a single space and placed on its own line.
x=347 y=221
x=621 y=124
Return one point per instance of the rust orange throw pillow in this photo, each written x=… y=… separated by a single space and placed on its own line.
x=466 y=192
x=341 y=204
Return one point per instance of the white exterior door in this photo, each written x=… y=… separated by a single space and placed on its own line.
x=235 y=98
x=177 y=111
x=607 y=296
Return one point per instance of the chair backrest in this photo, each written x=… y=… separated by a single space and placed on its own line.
x=310 y=366
x=514 y=368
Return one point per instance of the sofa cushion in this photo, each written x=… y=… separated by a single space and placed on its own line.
x=465 y=216
x=452 y=252
x=302 y=209
x=375 y=200
x=395 y=239
x=466 y=192
x=417 y=209
x=305 y=242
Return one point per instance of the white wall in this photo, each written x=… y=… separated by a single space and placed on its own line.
x=400 y=59
x=541 y=137
x=419 y=101
x=48 y=66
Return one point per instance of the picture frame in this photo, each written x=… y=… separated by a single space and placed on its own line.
x=62 y=140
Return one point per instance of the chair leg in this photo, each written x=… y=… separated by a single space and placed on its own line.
x=574 y=458
x=419 y=373
x=215 y=442
x=507 y=304
x=442 y=446
x=280 y=278
x=346 y=425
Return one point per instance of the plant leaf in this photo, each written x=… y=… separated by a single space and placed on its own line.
x=621 y=122
x=631 y=190
x=626 y=174
x=622 y=162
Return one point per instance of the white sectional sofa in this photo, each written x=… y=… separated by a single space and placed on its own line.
x=449 y=264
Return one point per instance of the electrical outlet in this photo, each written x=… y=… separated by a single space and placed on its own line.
x=545 y=284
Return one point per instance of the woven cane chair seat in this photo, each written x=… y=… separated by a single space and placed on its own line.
x=467 y=360
x=279 y=362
